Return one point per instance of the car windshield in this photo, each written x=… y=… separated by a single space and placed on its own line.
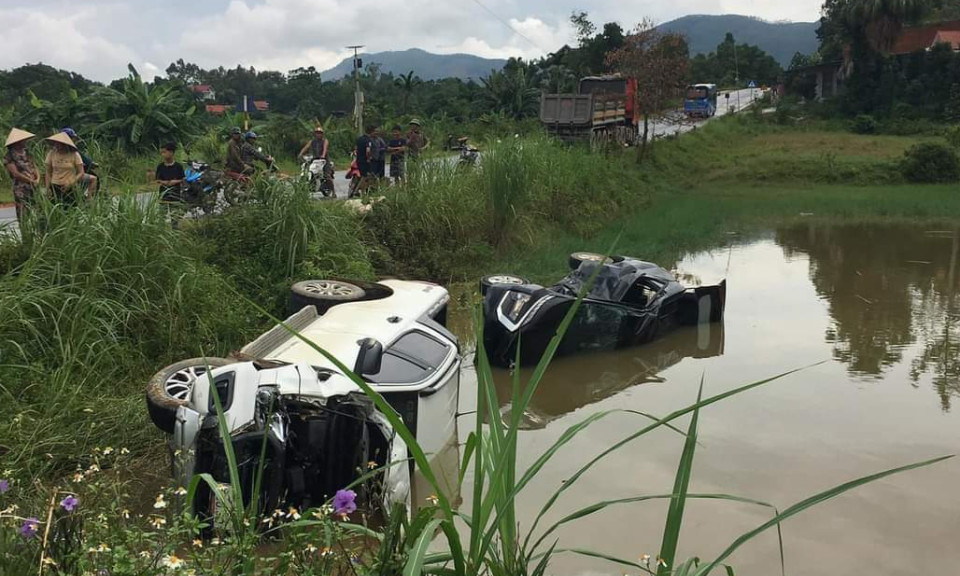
x=411 y=359
x=694 y=93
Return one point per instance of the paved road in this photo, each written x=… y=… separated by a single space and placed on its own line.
x=672 y=125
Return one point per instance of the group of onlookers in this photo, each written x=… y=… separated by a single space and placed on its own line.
x=65 y=177
x=372 y=150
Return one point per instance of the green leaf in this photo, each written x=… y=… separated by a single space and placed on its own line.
x=418 y=553
x=671 y=531
x=813 y=501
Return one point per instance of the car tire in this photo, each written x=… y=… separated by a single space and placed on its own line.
x=578 y=258
x=170 y=388
x=324 y=293
x=498 y=280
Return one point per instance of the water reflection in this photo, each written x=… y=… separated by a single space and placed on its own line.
x=577 y=381
x=891 y=296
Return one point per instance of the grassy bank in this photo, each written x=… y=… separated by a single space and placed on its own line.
x=107 y=295
x=741 y=175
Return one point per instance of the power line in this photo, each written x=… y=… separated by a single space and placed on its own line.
x=510 y=26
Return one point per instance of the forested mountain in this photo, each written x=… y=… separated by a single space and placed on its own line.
x=780 y=39
x=424 y=64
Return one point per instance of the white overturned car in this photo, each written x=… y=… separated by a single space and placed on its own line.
x=321 y=431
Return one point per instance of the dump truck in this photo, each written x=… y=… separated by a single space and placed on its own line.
x=602 y=111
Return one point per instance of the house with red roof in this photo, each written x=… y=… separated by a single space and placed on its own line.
x=204 y=91
x=831 y=75
x=218 y=109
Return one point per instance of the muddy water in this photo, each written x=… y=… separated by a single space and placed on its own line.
x=878 y=305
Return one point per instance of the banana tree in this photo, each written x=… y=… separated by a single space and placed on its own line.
x=141 y=115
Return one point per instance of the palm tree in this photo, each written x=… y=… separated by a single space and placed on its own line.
x=881 y=21
x=141 y=115
x=512 y=90
x=406 y=83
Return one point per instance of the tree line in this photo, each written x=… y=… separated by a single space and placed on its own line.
x=136 y=114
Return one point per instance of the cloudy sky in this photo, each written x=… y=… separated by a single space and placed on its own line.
x=99 y=37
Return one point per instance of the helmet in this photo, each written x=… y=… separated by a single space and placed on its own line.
x=250 y=134
x=235 y=130
x=70 y=132
x=415 y=122
x=318 y=129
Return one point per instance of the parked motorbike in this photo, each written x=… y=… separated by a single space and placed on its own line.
x=313 y=170
x=354 y=176
x=201 y=187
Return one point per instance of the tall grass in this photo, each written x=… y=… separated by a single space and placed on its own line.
x=446 y=220
x=105 y=294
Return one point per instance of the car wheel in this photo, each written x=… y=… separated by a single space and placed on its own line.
x=324 y=293
x=500 y=279
x=578 y=258
x=170 y=389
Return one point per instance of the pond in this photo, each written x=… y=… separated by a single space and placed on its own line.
x=878 y=306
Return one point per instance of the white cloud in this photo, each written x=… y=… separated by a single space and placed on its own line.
x=99 y=37
x=61 y=39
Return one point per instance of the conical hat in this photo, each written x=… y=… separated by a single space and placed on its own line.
x=62 y=138
x=18 y=135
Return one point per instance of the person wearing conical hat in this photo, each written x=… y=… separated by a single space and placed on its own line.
x=22 y=170
x=64 y=172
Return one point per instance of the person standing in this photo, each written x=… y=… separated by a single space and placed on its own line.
x=416 y=140
x=90 y=183
x=170 y=174
x=379 y=155
x=64 y=170
x=22 y=170
x=364 y=155
x=397 y=147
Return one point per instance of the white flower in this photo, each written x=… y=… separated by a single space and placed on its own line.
x=125 y=514
x=160 y=504
x=293 y=513
x=661 y=562
x=433 y=499
x=181 y=491
x=124 y=451
x=172 y=562
x=145 y=554
x=310 y=549
x=108 y=451
x=158 y=521
x=197 y=543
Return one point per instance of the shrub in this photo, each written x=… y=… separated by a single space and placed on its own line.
x=953 y=136
x=931 y=162
x=863 y=124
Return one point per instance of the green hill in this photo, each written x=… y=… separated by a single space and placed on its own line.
x=780 y=39
x=424 y=64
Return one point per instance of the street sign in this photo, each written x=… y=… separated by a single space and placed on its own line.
x=752 y=84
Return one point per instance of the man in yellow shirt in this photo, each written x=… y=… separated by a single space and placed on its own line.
x=64 y=170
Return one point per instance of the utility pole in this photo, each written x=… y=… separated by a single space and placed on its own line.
x=736 y=62
x=358 y=89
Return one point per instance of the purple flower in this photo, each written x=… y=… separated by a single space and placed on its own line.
x=69 y=503
x=4 y=485
x=29 y=528
x=344 y=502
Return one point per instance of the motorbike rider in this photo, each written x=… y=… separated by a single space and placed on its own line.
x=319 y=148
x=250 y=152
x=234 y=163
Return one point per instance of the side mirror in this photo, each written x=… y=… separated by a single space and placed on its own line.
x=370 y=357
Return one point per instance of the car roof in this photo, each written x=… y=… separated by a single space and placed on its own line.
x=340 y=329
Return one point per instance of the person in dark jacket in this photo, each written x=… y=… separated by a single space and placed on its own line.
x=170 y=174
x=234 y=161
x=250 y=152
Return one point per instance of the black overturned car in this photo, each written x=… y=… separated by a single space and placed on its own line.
x=629 y=302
